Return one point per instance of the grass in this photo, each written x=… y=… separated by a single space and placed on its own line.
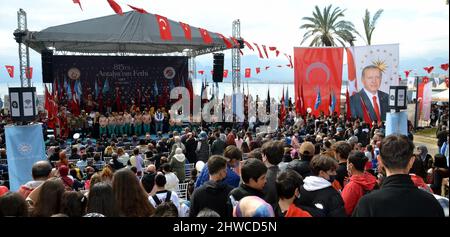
x=428 y=132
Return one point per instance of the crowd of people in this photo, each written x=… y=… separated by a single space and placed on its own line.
x=309 y=167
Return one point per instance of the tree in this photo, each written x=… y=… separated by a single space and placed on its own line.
x=328 y=28
x=369 y=25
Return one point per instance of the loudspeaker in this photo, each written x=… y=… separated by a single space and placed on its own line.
x=218 y=67
x=47 y=66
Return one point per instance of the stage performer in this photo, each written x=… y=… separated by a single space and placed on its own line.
x=90 y=104
x=147 y=120
x=127 y=123
x=63 y=123
x=119 y=123
x=103 y=121
x=118 y=98
x=111 y=125
x=138 y=124
x=159 y=121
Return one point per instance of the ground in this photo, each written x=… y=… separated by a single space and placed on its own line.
x=428 y=138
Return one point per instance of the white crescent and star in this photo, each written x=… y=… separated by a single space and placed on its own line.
x=163 y=21
x=317 y=65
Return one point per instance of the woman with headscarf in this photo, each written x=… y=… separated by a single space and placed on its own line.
x=426 y=159
x=178 y=164
x=64 y=175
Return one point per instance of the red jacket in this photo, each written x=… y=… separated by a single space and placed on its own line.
x=294 y=211
x=355 y=189
x=418 y=182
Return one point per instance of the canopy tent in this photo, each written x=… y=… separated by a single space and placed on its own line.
x=131 y=33
x=441 y=96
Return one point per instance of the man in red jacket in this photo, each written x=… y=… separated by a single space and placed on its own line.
x=360 y=182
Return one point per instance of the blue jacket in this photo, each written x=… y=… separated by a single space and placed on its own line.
x=232 y=178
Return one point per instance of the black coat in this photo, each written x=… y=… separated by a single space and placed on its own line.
x=341 y=173
x=191 y=146
x=328 y=198
x=270 y=189
x=212 y=195
x=301 y=166
x=244 y=191
x=398 y=197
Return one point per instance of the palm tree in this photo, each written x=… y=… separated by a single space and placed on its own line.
x=369 y=25
x=328 y=27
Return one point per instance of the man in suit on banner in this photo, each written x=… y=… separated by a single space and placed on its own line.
x=370 y=98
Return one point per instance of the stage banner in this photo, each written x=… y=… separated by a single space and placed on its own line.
x=372 y=94
x=397 y=123
x=318 y=73
x=24 y=146
x=117 y=83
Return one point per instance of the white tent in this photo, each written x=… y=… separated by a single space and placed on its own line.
x=441 y=96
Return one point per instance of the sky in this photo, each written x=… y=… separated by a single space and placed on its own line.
x=420 y=27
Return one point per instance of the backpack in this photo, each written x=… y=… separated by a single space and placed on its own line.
x=167 y=199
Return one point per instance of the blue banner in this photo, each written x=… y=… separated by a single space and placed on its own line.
x=24 y=147
x=397 y=123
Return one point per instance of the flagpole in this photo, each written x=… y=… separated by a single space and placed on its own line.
x=417 y=104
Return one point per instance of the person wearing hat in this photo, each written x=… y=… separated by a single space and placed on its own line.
x=306 y=152
x=203 y=151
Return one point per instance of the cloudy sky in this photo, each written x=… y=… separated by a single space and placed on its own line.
x=421 y=27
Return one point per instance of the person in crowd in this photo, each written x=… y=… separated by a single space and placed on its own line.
x=191 y=147
x=288 y=189
x=439 y=172
x=398 y=196
x=13 y=205
x=253 y=206
x=40 y=172
x=64 y=176
x=202 y=150
x=73 y=204
x=233 y=157
x=172 y=180
x=137 y=161
x=342 y=150
x=426 y=158
x=47 y=198
x=272 y=154
x=102 y=201
x=253 y=174
x=148 y=180
x=130 y=196
x=214 y=194
x=360 y=183
x=114 y=163
x=317 y=191
x=218 y=146
x=163 y=195
x=301 y=166
x=178 y=164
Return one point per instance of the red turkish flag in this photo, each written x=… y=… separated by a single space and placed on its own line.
x=10 y=70
x=225 y=73
x=277 y=53
x=240 y=51
x=444 y=66
x=249 y=45
x=272 y=48
x=78 y=2
x=116 y=7
x=259 y=50
x=187 y=31
x=347 y=105
x=248 y=72
x=265 y=51
x=407 y=73
x=429 y=69
x=164 y=27
x=29 y=72
x=446 y=81
x=206 y=37
x=140 y=10
x=318 y=68
x=290 y=60
x=201 y=72
x=425 y=80
x=235 y=41
x=228 y=44
x=258 y=70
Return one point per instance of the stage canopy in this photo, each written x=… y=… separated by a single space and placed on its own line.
x=132 y=33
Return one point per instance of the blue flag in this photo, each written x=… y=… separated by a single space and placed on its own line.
x=318 y=99
x=96 y=89
x=286 y=98
x=333 y=102
x=78 y=90
x=68 y=89
x=106 y=87
x=23 y=151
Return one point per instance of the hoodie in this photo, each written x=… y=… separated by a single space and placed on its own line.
x=356 y=188
x=321 y=199
x=212 y=195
